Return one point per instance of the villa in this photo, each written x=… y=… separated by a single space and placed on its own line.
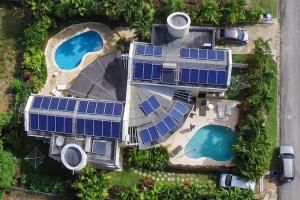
x=161 y=94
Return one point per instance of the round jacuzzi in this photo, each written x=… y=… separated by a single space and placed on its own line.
x=178 y=24
x=73 y=157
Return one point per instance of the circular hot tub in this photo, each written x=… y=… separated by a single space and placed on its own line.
x=178 y=24
x=73 y=157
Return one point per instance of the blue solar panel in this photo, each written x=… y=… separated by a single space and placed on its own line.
x=82 y=106
x=157 y=51
x=168 y=76
x=185 y=75
x=156 y=71
x=162 y=127
x=106 y=129
x=139 y=71
x=220 y=55
x=144 y=134
x=43 y=122
x=181 y=107
x=221 y=78
x=176 y=115
x=98 y=129
x=60 y=122
x=100 y=108
x=118 y=109
x=212 y=55
x=149 y=50
x=51 y=123
x=45 y=103
x=184 y=53
x=169 y=122
x=147 y=71
x=91 y=109
x=153 y=102
x=153 y=133
x=37 y=102
x=194 y=74
x=140 y=49
x=116 y=130
x=62 y=105
x=109 y=108
x=71 y=105
x=80 y=126
x=68 y=125
x=34 y=121
x=203 y=77
x=202 y=54
x=146 y=107
x=89 y=127
x=212 y=77
x=194 y=53
x=54 y=104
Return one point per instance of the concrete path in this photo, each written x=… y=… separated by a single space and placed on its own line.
x=289 y=89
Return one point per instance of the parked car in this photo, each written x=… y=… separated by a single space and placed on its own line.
x=229 y=181
x=287 y=164
x=232 y=35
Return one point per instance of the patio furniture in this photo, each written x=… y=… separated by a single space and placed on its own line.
x=176 y=150
x=221 y=110
x=229 y=107
x=210 y=106
x=202 y=108
x=56 y=93
x=63 y=87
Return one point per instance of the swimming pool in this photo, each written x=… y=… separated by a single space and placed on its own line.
x=70 y=53
x=212 y=141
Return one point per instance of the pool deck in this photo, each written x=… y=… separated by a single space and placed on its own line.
x=183 y=135
x=64 y=77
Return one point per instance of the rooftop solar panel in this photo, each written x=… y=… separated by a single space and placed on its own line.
x=149 y=50
x=71 y=105
x=106 y=129
x=116 y=130
x=60 y=122
x=91 y=108
x=42 y=122
x=176 y=115
x=62 y=105
x=34 y=121
x=203 y=77
x=146 y=107
x=185 y=75
x=156 y=71
x=45 y=103
x=147 y=71
x=144 y=134
x=202 y=54
x=184 y=53
x=37 y=102
x=82 y=106
x=89 y=127
x=68 y=125
x=140 y=49
x=212 y=55
x=212 y=77
x=51 y=123
x=181 y=107
x=220 y=55
x=157 y=51
x=194 y=74
x=162 y=127
x=153 y=133
x=221 y=77
x=118 y=109
x=194 y=53
x=80 y=126
x=169 y=122
x=54 y=104
x=109 y=108
x=153 y=102
x=98 y=129
x=139 y=71
x=100 y=108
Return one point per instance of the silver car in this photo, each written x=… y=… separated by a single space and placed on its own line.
x=232 y=35
x=287 y=164
x=229 y=181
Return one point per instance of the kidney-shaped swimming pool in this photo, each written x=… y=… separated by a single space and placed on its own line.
x=212 y=141
x=70 y=53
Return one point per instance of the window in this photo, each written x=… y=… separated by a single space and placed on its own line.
x=228 y=180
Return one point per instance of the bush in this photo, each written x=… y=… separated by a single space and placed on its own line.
x=7 y=168
x=151 y=159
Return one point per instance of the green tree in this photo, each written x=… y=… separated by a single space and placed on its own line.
x=261 y=102
x=128 y=8
x=7 y=168
x=234 y=10
x=40 y=8
x=171 y=6
x=112 y=8
x=91 y=185
x=262 y=78
x=209 y=12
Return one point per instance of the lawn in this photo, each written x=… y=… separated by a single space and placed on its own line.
x=271 y=125
x=268 y=5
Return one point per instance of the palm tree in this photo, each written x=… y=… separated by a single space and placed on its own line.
x=209 y=11
x=262 y=78
x=234 y=10
x=172 y=6
x=252 y=127
x=127 y=8
x=112 y=8
x=261 y=102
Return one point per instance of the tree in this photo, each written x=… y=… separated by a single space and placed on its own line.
x=234 y=10
x=112 y=8
x=40 y=8
x=7 y=168
x=209 y=12
x=128 y=8
x=261 y=102
x=91 y=185
x=262 y=78
x=171 y=6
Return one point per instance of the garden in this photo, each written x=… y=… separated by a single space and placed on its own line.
x=36 y=20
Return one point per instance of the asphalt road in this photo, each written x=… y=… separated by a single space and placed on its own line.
x=290 y=90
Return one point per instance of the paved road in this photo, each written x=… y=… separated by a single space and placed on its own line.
x=290 y=89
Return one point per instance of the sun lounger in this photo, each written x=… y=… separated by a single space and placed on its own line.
x=176 y=150
x=229 y=107
x=63 y=87
x=221 y=110
x=56 y=93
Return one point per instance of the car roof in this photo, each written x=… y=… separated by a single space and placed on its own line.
x=231 y=33
x=286 y=149
x=242 y=183
x=288 y=167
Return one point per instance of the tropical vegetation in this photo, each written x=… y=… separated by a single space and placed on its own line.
x=151 y=159
x=7 y=168
x=253 y=142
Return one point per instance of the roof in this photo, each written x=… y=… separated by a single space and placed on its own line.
x=103 y=79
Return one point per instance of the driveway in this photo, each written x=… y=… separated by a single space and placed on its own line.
x=290 y=95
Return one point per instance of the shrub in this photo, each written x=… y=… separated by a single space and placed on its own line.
x=7 y=168
x=152 y=159
x=255 y=13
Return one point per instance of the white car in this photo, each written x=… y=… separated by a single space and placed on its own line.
x=229 y=181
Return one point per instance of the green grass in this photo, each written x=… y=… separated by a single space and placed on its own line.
x=271 y=125
x=268 y=5
x=125 y=177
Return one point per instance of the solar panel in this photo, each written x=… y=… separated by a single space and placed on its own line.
x=34 y=121
x=147 y=71
x=51 y=123
x=168 y=76
x=118 y=109
x=42 y=122
x=140 y=49
x=221 y=77
x=100 y=108
x=54 y=104
x=202 y=54
x=212 y=55
x=139 y=71
x=220 y=55
x=153 y=133
x=98 y=128
x=45 y=103
x=89 y=127
x=185 y=75
x=153 y=102
x=181 y=107
x=184 y=53
x=62 y=105
x=203 y=77
x=82 y=106
x=60 y=122
x=212 y=77
x=146 y=107
x=194 y=74
x=144 y=134
x=71 y=105
x=80 y=126
x=169 y=122
x=68 y=125
x=156 y=69
x=176 y=115
x=158 y=51
x=106 y=129
x=162 y=127
x=116 y=130
x=91 y=108
x=194 y=53
x=149 y=50
x=37 y=102
x=109 y=108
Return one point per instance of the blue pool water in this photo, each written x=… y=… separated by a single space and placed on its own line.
x=70 y=53
x=212 y=141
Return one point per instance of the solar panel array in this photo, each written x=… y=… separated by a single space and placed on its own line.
x=202 y=54
x=50 y=123
x=100 y=108
x=54 y=103
x=148 y=50
x=149 y=105
x=98 y=128
x=147 y=71
x=207 y=77
x=165 y=125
